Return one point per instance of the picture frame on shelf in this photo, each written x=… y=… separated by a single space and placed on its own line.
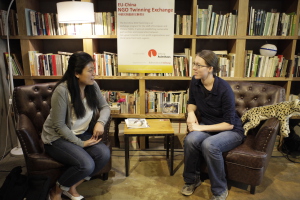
x=170 y=108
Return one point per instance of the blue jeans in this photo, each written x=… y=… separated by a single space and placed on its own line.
x=82 y=162
x=208 y=146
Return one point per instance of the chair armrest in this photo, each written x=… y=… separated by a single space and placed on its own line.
x=28 y=136
x=105 y=135
x=42 y=162
x=265 y=137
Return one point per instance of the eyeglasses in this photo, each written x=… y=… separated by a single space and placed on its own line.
x=198 y=66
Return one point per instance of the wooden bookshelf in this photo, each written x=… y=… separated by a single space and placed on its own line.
x=287 y=45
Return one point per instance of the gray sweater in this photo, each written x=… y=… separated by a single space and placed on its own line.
x=58 y=122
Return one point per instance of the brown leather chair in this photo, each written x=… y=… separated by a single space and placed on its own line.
x=32 y=106
x=248 y=162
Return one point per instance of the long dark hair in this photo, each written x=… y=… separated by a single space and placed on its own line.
x=77 y=63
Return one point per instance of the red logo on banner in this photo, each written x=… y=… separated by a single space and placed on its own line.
x=152 y=52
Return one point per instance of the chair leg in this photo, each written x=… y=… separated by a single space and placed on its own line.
x=252 y=189
x=104 y=176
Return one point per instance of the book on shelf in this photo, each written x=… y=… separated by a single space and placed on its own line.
x=126 y=101
x=183 y=25
x=17 y=69
x=296 y=68
x=48 y=64
x=136 y=123
x=155 y=100
x=226 y=63
x=171 y=108
x=293 y=97
x=265 y=66
x=12 y=26
x=212 y=23
x=271 y=23
x=106 y=64
x=182 y=65
x=38 y=23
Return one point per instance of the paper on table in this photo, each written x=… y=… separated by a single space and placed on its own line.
x=136 y=123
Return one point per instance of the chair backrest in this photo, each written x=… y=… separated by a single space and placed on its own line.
x=32 y=105
x=255 y=94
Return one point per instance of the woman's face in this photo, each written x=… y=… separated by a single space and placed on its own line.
x=87 y=76
x=201 y=69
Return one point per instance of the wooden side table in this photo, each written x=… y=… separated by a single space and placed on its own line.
x=158 y=127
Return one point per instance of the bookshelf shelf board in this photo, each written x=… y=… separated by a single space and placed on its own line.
x=127 y=116
x=49 y=37
x=150 y=115
x=117 y=77
x=167 y=116
x=37 y=77
x=216 y=37
x=184 y=36
x=270 y=37
x=256 y=79
x=296 y=79
x=165 y=78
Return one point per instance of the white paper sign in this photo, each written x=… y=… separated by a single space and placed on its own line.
x=145 y=31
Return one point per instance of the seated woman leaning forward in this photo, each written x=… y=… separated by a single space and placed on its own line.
x=220 y=129
x=71 y=132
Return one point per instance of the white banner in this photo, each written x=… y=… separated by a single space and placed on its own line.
x=145 y=30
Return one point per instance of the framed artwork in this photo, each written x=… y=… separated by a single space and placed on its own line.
x=170 y=108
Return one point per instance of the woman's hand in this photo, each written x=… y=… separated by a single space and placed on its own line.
x=92 y=141
x=191 y=118
x=194 y=127
x=98 y=130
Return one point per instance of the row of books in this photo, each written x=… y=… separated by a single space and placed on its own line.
x=211 y=23
x=271 y=23
x=12 y=26
x=167 y=102
x=182 y=65
x=183 y=25
x=265 y=66
x=38 y=23
x=106 y=64
x=128 y=102
x=105 y=23
x=296 y=68
x=48 y=64
x=226 y=63
x=17 y=69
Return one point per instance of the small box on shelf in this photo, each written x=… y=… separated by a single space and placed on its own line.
x=115 y=108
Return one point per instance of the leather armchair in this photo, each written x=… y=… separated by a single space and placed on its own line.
x=32 y=106
x=248 y=162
